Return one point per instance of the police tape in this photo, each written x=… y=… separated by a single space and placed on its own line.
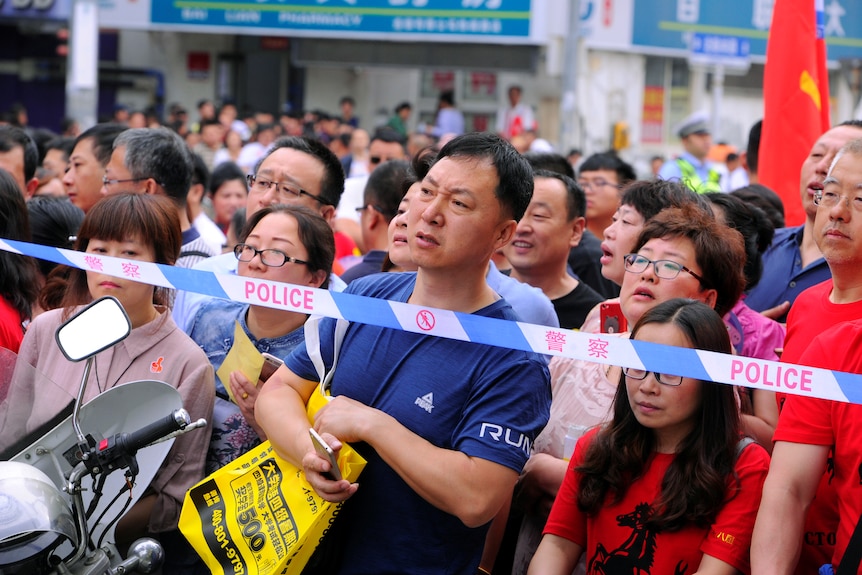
x=599 y=348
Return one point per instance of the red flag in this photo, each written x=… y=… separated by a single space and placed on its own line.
x=796 y=98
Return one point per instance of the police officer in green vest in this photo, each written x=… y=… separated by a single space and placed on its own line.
x=691 y=167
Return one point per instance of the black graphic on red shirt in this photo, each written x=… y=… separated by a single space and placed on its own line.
x=635 y=556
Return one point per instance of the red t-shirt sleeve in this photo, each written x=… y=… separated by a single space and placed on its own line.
x=11 y=333
x=729 y=537
x=806 y=419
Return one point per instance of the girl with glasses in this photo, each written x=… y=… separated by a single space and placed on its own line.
x=280 y=243
x=681 y=252
x=667 y=485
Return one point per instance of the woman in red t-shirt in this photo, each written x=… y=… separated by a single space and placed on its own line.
x=666 y=486
x=18 y=283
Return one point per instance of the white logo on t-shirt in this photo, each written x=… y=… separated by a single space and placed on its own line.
x=426 y=402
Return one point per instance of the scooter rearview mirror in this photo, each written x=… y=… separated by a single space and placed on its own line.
x=96 y=327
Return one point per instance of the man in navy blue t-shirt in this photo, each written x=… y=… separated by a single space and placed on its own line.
x=446 y=425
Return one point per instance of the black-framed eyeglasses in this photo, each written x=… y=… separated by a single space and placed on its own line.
x=261 y=185
x=831 y=199
x=665 y=269
x=106 y=182
x=594 y=185
x=374 y=207
x=662 y=378
x=272 y=258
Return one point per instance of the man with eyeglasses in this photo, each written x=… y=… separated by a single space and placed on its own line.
x=445 y=425
x=296 y=170
x=383 y=193
x=602 y=177
x=793 y=262
x=816 y=436
x=157 y=161
x=386 y=144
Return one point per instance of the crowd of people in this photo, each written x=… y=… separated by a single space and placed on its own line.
x=595 y=468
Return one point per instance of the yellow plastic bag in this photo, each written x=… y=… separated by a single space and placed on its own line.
x=259 y=514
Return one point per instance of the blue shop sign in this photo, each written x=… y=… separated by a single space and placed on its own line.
x=483 y=20
x=671 y=25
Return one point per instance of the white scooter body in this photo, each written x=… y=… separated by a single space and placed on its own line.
x=48 y=484
x=124 y=408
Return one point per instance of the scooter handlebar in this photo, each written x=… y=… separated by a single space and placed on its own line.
x=130 y=443
x=136 y=440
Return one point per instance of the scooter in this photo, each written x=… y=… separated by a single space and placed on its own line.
x=52 y=520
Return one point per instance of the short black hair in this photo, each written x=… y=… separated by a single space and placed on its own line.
x=514 y=174
x=63 y=143
x=420 y=164
x=12 y=137
x=611 y=162
x=102 y=136
x=576 y=200
x=225 y=172
x=649 y=197
x=200 y=172
x=765 y=199
x=388 y=135
x=385 y=187
x=207 y=122
x=550 y=161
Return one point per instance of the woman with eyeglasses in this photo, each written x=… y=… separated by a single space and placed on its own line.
x=681 y=252
x=668 y=485
x=280 y=243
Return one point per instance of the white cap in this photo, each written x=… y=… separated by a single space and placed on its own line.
x=697 y=123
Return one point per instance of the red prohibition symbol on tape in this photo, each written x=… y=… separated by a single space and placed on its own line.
x=425 y=320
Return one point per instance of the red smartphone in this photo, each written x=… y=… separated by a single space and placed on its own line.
x=612 y=318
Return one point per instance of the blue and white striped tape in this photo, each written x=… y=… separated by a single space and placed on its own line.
x=600 y=348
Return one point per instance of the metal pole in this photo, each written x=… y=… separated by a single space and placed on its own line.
x=568 y=102
x=717 y=97
x=82 y=68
